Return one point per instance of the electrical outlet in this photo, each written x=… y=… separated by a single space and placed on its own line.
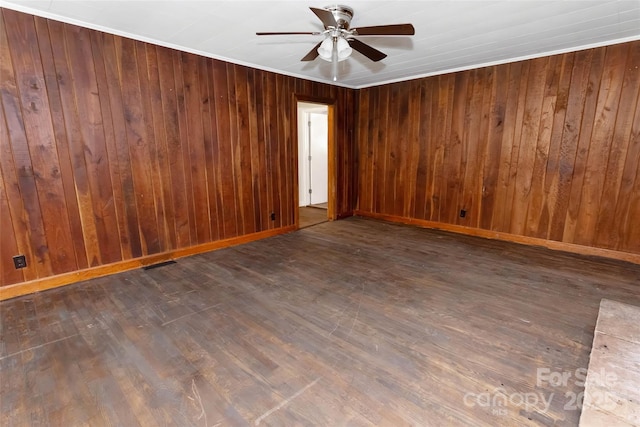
x=19 y=261
x=273 y=216
x=463 y=213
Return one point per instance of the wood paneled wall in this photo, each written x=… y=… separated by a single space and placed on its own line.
x=547 y=148
x=113 y=149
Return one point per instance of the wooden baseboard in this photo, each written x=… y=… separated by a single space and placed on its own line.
x=18 y=289
x=344 y=215
x=498 y=235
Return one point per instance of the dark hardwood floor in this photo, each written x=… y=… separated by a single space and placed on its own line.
x=353 y=322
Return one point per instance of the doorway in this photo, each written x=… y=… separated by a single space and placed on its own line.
x=313 y=163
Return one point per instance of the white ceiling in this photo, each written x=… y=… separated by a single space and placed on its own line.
x=450 y=35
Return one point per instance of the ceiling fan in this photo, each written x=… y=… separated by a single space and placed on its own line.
x=339 y=39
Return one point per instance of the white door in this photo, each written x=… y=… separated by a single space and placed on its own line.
x=318 y=158
x=313 y=153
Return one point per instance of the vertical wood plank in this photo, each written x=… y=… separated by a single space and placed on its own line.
x=569 y=144
x=383 y=154
x=510 y=146
x=400 y=141
x=468 y=137
x=235 y=147
x=627 y=235
x=11 y=136
x=183 y=135
x=606 y=236
x=600 y=143
x=260 y=153
x=23 y=196
x=455 y=146
x=173 y=176
x=445 y=209
x=195 y=147
x=527 y=152
x=110 y=144
x=243 y=151
x=440 y=136
x=553 y=173
x=492 y=165
x=423 y=158
x=75 y=141
x=86 y=100
x=270 y=136
x=161 y=174
x=414 y=149
x=61 y=137
x=152 y=105
x=259 y=214
x=43 y=154
x=584 y=141
x=479 y=189
x=365 y=153
x=225 y=156
x=111 y=53
x=8 y=242
x=138 y=139
x=631 y=236
x=543 y=143
x=428 y=133
x=210 y=146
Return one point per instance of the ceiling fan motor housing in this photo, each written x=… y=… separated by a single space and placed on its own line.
x=342 y=14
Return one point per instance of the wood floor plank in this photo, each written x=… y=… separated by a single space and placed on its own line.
x=353 y=322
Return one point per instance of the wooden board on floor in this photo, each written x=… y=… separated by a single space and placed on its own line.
x=612 y=388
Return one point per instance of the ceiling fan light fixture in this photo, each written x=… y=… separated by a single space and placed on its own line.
x=326 y=49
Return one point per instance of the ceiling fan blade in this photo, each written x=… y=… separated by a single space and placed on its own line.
x=373 y=54
x=386 y=30
x=325 y=16
x=313 y=53
x=315 y=33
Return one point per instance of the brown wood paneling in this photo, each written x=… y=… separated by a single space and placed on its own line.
x=628 y=234
x=195 y=146
x=545 y=148
x=552 y=172
x=73 y=143
x=607 y=110
x=210 y=147
x=124 y=195
x=115 y=150
x=591 y=89
x=38 y=161
x=493 y=154
x=86 y=102
x=8 y=244
x=172 y=169
x=62 y=142
x=620 y=149
x=16 y=168
x=570 y=126
x=161 y=169
x=242 y=150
